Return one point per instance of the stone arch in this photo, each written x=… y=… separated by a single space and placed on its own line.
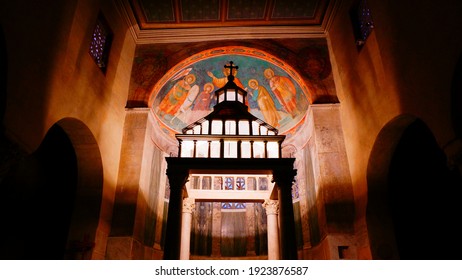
x=39 y=191
x=379 y=223
x=52 y=197
x=412 y=205
x=83 y=229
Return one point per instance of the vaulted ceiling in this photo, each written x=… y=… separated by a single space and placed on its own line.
x=173 y=14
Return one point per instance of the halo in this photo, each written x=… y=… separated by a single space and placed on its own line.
x=252 y=81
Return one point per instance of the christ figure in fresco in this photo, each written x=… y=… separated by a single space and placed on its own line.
x=221 y=82
x=284 y=89
x=176 y=96
x=265 y=102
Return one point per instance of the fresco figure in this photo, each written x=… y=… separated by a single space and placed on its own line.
x=202 y=104
x=203 y=100
x=284 y=90
x=176 y=96
x=265 y=102
x=184 y=113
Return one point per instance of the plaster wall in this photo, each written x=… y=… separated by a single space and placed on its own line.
x=405 y=67
x=51 y=76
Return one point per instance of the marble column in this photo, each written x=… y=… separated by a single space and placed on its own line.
x=284 y=178
x=177 y=179
x=189 y=204
x=272 y=211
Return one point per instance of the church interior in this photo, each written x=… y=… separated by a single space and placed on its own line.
x=117 y=143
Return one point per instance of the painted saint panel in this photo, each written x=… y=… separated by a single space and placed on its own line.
x=276 y=94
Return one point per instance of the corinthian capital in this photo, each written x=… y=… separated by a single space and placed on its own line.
x=271 y=206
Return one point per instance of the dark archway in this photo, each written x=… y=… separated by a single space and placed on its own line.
x=89 y=196
x=52 y=198
x=51 y=207
x=3 y=75
x=413 y=207
x=453 y=148
x=456 y=99
x=40 y=193
x=424 y=197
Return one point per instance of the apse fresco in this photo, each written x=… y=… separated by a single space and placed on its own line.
x=275 y=93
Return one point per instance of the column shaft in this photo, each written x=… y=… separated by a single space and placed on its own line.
x=272 y=209
x=188 y=209
x=284 y=179
x=177 y=180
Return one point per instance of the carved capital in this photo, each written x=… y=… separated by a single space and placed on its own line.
x=271 y=206
x=284 y=177
x=189 y=205
x=177 y=178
